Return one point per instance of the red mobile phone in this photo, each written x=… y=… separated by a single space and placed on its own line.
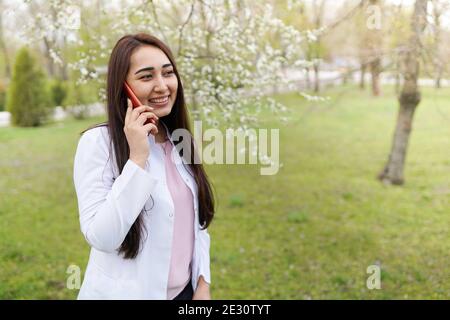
x=134 y=100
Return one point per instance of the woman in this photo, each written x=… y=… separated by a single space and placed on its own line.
x=144 y=208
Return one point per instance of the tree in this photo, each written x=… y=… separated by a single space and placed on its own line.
x=27 y=95
x=47 y=23
x=370 y=43
x=409 y=97
x=3 y=47
x=360 y=23
x=375 y=47
x=440 y=8
x=398 y=20
x=229 y=53
x=317 y=46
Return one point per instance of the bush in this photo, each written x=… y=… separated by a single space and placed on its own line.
x=28 y=98
x=2 y=96
x=58 y=92
x=78 y=98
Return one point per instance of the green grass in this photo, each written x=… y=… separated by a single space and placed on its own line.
x=309 y=232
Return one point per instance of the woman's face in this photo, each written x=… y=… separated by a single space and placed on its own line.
x=152 y=78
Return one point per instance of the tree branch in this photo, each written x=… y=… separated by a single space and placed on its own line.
x=180 y=36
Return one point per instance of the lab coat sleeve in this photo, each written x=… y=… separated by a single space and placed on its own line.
x=107 y=207
x=204 y=259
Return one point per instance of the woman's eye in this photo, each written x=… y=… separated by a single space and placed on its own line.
x=148 y=76
x=170 y=73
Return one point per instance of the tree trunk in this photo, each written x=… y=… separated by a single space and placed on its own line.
x=318 y=12
x=408 y=99
x=64 y=71
x=375 y=70
x=307 y=78
x=316 y=77
x=439 y=76
x=393 y=171
x=375 y=43
x=438 y=83
x=345 y=76
x=397 y=75
x=48 y=41
x=48 y=57
x=362 y=80
x=438 y=64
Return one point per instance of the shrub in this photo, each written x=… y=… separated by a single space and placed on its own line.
x=78 y=99
x=27 y=97
x=58 y=92
x=2 y=96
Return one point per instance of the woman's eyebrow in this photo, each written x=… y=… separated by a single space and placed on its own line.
x=151 y=68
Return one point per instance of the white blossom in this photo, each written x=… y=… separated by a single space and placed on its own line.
x=227 y=58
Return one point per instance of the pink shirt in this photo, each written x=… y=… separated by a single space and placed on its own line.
x=183 y=233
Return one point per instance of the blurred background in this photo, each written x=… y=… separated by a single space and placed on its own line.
x=359 y=89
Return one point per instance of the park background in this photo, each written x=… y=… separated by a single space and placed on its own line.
x=338 y=78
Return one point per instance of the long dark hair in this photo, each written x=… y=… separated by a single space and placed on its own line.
x=118 y=67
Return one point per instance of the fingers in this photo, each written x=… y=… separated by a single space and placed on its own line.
x=128 y=113
x=140 y=115
x=151 y=128
x=135 y=112
x=146 y=115
x=141 y=109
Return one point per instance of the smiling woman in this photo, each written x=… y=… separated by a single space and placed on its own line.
x=144 y=207
x=152 y=78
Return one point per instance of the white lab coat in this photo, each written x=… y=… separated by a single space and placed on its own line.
x=109 y=204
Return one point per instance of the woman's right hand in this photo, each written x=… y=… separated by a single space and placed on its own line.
x=137 y=133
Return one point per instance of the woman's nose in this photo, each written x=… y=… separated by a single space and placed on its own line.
x=160 y=84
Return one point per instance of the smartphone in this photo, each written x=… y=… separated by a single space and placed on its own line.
x=134 y=100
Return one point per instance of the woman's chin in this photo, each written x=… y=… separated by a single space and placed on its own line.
x=162 y=111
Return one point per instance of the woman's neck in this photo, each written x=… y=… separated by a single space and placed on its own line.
x=161 y=136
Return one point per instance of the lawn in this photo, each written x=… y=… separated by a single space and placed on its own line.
x=308 y=232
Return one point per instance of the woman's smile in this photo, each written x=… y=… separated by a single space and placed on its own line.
x=159 y=101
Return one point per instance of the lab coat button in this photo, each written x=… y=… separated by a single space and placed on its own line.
x=171 y=214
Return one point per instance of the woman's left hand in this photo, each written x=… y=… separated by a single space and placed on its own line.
x=202 y=291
